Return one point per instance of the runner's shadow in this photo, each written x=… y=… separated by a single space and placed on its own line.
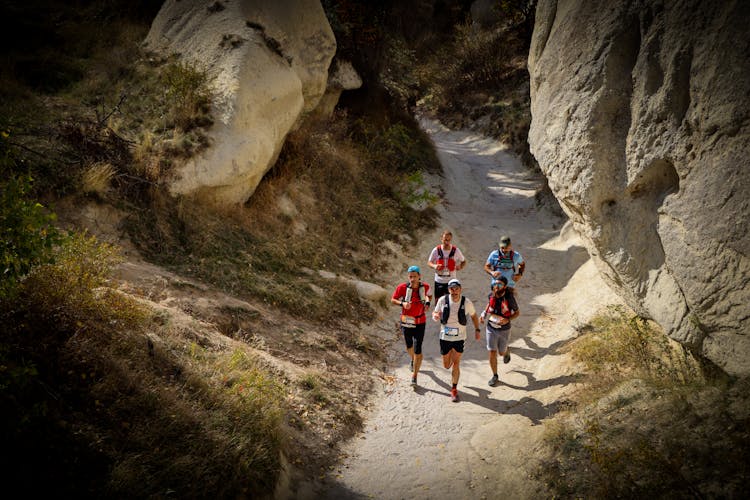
x=532 y=384
x=421 y=390
x=526 y=407
x=335 y=489
x=535 y=351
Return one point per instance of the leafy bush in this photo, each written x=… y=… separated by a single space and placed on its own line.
x=66 y=293
x=188 y=95
x=27 y=233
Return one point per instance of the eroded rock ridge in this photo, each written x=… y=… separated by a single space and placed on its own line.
x=641 y=114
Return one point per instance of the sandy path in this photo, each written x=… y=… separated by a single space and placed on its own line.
x=417 y=443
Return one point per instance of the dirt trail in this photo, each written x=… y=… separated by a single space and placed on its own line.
x=417 y=443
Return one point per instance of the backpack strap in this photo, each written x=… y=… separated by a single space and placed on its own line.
x=410 y=292
x=462 y=311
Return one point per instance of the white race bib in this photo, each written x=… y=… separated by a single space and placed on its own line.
x=408 y=321
x=494 y=320
x=450 y=331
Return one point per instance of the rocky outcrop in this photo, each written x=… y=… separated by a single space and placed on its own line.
x=641 y=122
x=268 y=62
x=342 y=76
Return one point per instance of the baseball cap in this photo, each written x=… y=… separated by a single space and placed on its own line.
x=504 y=241
x=413 y=269
x=501 y=279
x=454 y=283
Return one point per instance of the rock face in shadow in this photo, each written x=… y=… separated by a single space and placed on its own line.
x=641 y=122
x=269 y=65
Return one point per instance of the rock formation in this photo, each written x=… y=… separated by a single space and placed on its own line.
x=342 y=76
x=641 y=122
x=269 y=66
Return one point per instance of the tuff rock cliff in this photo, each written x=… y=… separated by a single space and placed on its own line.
x=268 y=62
x=641 y=122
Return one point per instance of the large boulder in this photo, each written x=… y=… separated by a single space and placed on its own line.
x=268 y=63
x=641 y=122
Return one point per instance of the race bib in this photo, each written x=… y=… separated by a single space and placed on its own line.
x=494 y=320
x=450 y=331
x=444 y=272
x=408 y=321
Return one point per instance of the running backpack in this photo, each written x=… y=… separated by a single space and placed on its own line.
x=447 y=311
x=507 y=262
x=451 y=263
x=500 y=306
x=422 y=293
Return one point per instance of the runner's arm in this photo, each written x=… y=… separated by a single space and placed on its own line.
x=475 y=320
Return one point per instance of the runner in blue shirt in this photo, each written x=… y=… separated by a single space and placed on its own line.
x=505 y=262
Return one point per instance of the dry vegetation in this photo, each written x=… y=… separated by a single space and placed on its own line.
x=649 y=420
x=196 y=371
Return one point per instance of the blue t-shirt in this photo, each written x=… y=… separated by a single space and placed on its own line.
x=507 y=263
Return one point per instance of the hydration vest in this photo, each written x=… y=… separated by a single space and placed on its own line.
x=450 y=262
x=422 y=294
x=506 y=261
x=500 y=306
x=447 y=311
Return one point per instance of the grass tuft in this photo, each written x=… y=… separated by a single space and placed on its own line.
x=621 y=437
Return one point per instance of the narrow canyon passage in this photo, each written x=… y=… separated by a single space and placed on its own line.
x=416 y=442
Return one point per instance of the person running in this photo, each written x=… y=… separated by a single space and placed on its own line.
x=505 y=262
x=445 y=259
x=502 y=308
x=452 y=310
x=414 y=299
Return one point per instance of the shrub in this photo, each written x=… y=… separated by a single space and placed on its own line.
x=188 y=95
x=63 y=297
x=649 y=420
x=27 y=234
x=616 y=346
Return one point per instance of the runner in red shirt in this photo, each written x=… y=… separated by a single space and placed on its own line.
x=414 y=299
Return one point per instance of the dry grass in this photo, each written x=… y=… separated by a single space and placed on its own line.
x=116 y=399
x=480 y=79
x=649 y=420
x=102 y=396
x=97 y=178
x=326 y=205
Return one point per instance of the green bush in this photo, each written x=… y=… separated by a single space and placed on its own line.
x=188 y=95
x=27 y=233
x=65 y=292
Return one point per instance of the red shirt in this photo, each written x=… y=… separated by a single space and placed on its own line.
x=417 y=309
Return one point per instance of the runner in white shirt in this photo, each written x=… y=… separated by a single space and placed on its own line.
x=452 y=311
x=445 y=259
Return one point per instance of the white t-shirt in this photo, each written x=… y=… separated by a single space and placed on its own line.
x=453 y=330
x=434 y=256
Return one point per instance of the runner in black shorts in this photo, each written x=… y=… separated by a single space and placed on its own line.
x=452 y=311
x=414 y=299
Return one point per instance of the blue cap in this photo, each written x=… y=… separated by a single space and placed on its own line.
x=502 y=279
x=413 y=269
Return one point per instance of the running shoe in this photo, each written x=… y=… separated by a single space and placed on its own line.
x=506 y=358
x=493 y=380
x=454 y=395
x=414 y=381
